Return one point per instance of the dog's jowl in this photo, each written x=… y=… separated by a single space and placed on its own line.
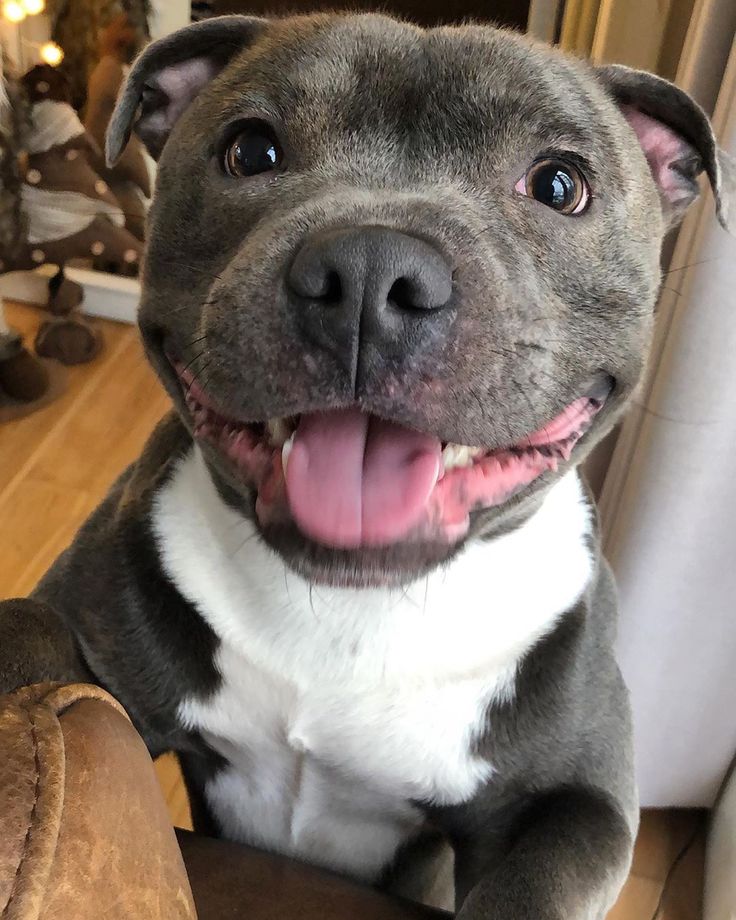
x=399 y=283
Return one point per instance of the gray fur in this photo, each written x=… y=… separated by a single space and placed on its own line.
x=423 y=133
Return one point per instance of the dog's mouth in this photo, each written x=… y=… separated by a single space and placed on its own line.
x=349 y=479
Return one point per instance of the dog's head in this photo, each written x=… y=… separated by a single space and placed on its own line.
x=400 y=280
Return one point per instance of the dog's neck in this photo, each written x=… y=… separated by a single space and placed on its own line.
x=483 y=609
x=337 y=708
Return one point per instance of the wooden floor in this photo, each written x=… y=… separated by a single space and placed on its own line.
x=55 y=466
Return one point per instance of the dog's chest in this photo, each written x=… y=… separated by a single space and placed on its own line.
x=338 y=709
x=328 y=770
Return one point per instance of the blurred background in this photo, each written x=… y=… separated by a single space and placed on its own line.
x=77 y=399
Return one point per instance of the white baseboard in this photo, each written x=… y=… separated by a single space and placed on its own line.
x=109 y=296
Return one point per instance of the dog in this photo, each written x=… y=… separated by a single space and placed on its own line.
x=399 y=282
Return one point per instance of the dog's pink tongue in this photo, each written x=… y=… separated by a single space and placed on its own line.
x=354 y=480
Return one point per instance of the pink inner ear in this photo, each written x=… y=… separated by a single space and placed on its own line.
x=662 y=147
x=182 y=82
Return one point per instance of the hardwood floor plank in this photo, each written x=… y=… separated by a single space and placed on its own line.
x=25 y=438
x=662 y=834
x=111 y=421
x=637 y=901
x=683 y=898
x=39 y=520
x=167 y=771
x=57 y=464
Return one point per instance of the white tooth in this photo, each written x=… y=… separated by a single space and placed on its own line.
x=285 y=451
x=278 y=431
x=455 y=455
x=448 y=456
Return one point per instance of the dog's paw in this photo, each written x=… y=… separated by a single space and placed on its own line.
x=35 y=646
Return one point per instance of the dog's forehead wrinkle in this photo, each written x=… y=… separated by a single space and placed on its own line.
x=452 y=88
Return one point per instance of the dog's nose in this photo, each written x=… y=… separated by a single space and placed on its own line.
x=369 y=286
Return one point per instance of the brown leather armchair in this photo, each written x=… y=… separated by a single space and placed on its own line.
x=85 y=834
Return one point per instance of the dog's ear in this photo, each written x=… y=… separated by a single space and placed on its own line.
x=677 y=139
x=167 y=76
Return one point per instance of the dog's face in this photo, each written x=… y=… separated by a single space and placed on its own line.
x=397 y=280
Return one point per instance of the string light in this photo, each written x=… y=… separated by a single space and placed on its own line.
x=51 y=53
x=13 y=11
x=16 y=11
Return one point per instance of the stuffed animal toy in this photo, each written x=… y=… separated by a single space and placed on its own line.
x=26 y=383
x=68 y=212
x=71 y=210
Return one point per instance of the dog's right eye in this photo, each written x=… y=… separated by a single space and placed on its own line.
x=556 y=183
x=253 y=150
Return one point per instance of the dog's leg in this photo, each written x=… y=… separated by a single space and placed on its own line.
x=568 y=863
x=36 y=646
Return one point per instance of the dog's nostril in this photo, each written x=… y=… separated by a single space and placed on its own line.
x=422 y=294
x=403 y=295
x=332 y=288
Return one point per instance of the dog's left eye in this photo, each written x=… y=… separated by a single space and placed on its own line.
x=253 y=150
x=557 y=184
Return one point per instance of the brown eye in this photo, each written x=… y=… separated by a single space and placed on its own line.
x=557 y=184
x=253 y=150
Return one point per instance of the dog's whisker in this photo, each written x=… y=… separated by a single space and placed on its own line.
x=696 y=423
x=681 y=268
x=311 y=601
x=215 y=276
x=541 y=346
x=242 y=545
x=523 y=392
x=196 y=377
x=406 y=597
x=204 y=382
x=190 y=363
x=209 y=302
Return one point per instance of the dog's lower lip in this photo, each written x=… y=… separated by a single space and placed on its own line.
x=439 y=508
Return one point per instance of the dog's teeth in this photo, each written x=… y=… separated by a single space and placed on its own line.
x=278 y=431
x=285 y=451
x=457 y=455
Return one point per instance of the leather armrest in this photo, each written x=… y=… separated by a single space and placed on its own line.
x=85 y=834
x=233 y=882
x=84 y=831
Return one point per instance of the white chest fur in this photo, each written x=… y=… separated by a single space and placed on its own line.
x=339 y=706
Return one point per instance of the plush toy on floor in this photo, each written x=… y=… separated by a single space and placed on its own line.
x=23 y=378
x=71 y=213
x=26 y=383
x=65 y=210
